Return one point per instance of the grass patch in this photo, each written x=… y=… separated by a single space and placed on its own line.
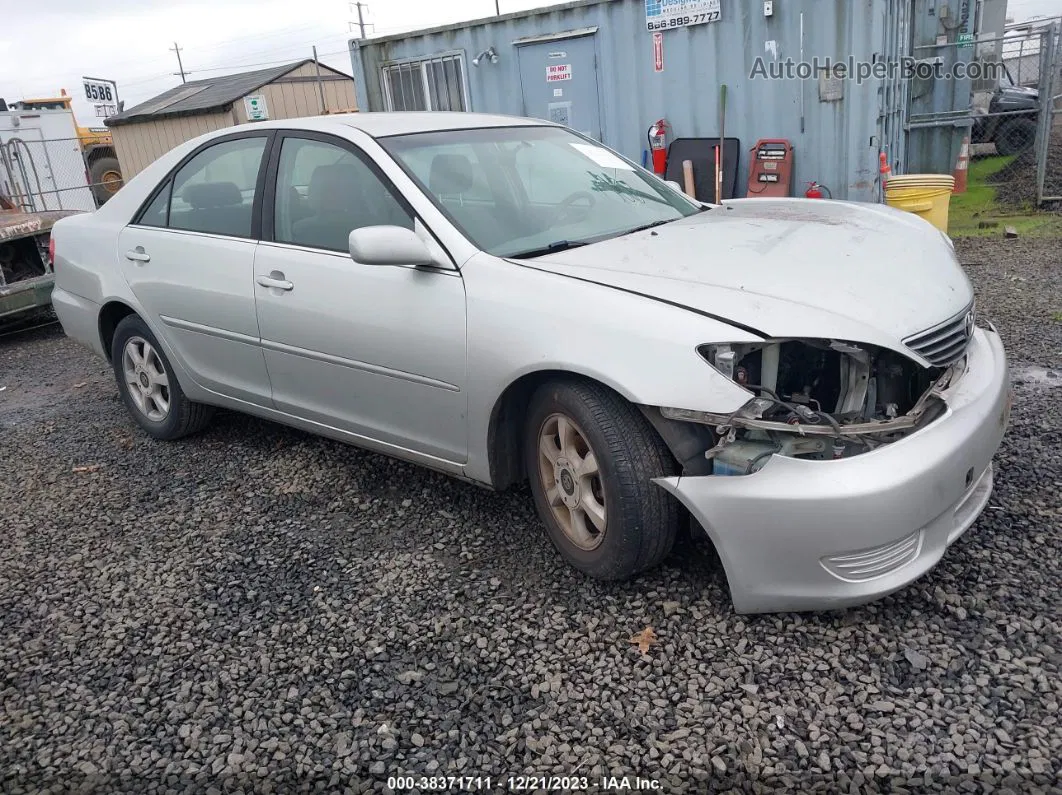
x=977 y=212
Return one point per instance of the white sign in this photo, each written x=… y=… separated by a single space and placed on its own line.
x=669 y=14
x=560 y=71
x=100 y=92
x=601 y=156
x=256 y=107
x=558 y=92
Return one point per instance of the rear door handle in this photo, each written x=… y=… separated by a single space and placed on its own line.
x=275 y=283
x=138 y=255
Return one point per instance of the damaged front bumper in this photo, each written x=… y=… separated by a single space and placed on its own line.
x=803 y=534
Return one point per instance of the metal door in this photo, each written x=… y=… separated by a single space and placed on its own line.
x=374 y=351
x=558 y=80
x=198 y=293
x=190 y=263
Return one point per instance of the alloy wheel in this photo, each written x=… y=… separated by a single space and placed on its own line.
x=571 y=478
x=146 y=379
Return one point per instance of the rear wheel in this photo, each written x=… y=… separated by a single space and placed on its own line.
x=591 y=457
x=148 y=386
x=1015 y=136
x=105 y=174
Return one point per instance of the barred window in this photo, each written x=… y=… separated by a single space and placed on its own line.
x=429 y=84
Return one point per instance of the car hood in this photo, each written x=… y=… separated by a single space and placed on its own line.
x=788 y=268
x=1020 y=91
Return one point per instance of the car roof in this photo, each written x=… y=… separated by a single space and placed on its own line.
x=379 y=125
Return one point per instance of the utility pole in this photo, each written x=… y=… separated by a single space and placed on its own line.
x=497 y=9
x=320 y=88
x=180 y=66
x=361 y=20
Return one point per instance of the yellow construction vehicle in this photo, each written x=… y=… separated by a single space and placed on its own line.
x=97 y=146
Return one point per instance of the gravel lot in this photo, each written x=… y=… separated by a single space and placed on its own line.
x=258 y=609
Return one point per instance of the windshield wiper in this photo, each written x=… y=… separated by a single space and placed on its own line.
x=643 y=227
x=552 y=248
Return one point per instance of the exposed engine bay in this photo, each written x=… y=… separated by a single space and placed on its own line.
x=817 y=399
x=22 y=259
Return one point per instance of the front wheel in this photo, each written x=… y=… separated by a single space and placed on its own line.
x=591 y=457
x=148 y=386
x=1015 y=136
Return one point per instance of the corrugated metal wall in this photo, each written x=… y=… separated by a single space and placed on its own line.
x=293 y=95
x=837 y=146
x=139 y=145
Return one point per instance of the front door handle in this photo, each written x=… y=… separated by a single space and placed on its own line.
x=138 y=255
x=275 y=280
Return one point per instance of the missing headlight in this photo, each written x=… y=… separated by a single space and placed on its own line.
x=823 y=399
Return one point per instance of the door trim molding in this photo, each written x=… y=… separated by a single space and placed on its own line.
x=210 y=331
x=353 y=364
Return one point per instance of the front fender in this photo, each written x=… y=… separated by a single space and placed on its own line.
x=523 y=321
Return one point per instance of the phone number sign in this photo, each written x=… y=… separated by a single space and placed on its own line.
x=669 y=14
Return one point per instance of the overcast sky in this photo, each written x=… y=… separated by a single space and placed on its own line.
x=46 y=45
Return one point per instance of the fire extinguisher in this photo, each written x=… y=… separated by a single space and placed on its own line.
x=658 y=145
x=815 y=190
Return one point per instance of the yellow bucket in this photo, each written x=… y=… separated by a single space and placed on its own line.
x=925 y=195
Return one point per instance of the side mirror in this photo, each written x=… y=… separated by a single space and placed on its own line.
x=388 y=245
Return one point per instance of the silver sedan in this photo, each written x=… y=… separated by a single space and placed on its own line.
x=505 y=300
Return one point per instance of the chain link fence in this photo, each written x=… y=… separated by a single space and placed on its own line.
x=38 y=174
x=1018 y=115
x=1050 y=158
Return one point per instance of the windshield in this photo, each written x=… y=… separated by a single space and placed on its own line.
x=524 y=191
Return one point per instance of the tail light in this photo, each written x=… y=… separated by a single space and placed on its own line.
x=51 y=251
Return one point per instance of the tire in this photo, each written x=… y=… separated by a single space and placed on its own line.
x=132 y=338
x=640 y=519
x=1015 y=136
x=101 y=172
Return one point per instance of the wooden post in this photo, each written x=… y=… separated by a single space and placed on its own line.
x=687 y=176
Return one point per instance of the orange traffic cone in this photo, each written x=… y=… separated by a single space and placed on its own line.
x=962 y=166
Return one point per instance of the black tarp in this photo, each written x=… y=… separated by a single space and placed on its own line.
x=702 y=152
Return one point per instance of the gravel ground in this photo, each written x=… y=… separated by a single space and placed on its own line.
x=256 y=609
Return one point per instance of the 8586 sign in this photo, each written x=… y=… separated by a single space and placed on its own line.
x=99 y=92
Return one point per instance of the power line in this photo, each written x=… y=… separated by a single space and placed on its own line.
x=115 y=65
x=299 y=48
x=226 y=42
x=301 y=45
x=275 y=62
x=184 y=73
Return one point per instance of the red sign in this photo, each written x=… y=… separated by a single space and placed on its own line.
x=658 y=52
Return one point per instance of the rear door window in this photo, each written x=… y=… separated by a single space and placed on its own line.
x=214 y=192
